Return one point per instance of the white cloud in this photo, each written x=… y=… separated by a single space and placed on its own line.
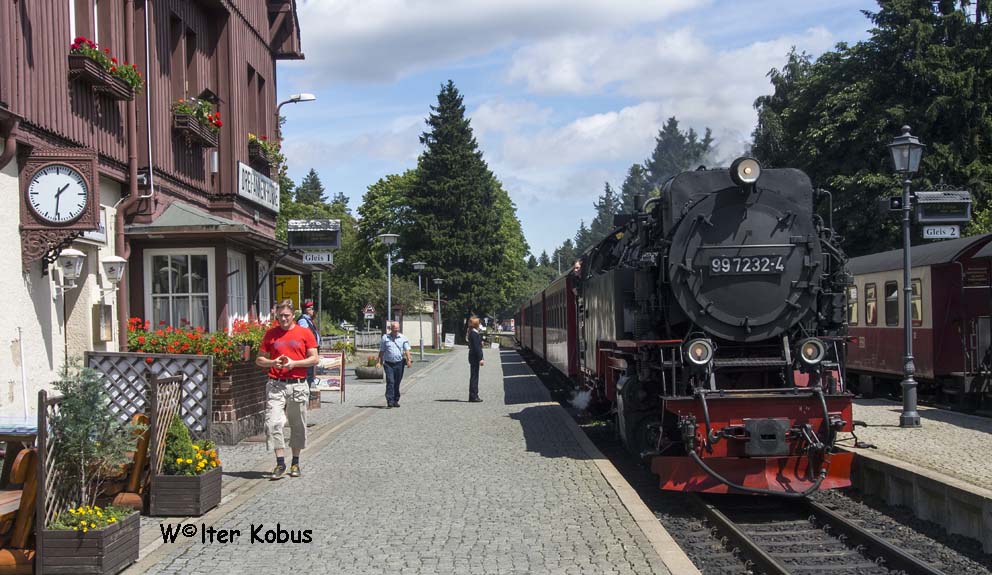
x=383 y=40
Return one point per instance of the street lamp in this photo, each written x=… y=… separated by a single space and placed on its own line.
x=304 y=97
x=906 y=153
x=419 y=266
x=389 y=240
x=438 y=282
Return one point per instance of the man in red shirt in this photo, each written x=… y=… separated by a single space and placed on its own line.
x=287 y=351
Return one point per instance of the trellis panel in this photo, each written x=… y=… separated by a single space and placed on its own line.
x=126 y=377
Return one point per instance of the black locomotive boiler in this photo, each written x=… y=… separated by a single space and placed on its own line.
x=712 y=321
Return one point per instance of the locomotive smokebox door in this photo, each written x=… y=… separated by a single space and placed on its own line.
x=766 y=437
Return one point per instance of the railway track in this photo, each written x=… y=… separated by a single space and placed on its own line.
x=802 y=537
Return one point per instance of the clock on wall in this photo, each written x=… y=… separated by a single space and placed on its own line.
x=58 y=193
x=59 y=201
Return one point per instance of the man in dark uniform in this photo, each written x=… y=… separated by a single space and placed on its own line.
x=474 y=358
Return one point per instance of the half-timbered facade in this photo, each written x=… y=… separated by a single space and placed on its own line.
x=182 y=197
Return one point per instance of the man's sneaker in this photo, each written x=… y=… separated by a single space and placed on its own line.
x=294 y=470
x=278 y=473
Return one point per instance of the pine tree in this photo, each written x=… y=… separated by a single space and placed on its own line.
x=310 y=191
x=583 y=238
x=531 y=262
x=544 y=260
x=635 y=184
x=675 y=151
x=342 y=200
x=607 y=206
x=462 y=222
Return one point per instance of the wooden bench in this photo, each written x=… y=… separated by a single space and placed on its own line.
x=131 y=493
x=17 y=516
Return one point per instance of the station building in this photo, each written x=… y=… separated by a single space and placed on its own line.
x=89 y=163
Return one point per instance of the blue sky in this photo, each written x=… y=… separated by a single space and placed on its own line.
x=563 y=95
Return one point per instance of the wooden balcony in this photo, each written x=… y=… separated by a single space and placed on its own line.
x=194 y=132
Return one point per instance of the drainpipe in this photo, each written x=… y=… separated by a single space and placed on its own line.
x=121 y=247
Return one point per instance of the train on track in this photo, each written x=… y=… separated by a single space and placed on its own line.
x=711 y=324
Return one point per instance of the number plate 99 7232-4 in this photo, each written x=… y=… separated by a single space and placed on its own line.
x=747 y=265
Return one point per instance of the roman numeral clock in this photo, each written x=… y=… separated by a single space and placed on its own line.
x=60 y=200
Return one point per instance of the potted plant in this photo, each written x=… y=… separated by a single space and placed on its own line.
x=263 y=151
x=105 y=75
x=190 y=482
x=197 y=121
x=371 y=369
x=91 y=446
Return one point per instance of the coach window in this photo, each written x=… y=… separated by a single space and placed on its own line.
x=916 y=302
x=871 y=305
x=891 y=303
x=852 y=305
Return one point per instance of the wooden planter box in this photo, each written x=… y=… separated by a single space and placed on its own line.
x=104 y=552
x=185 y=495
x=86 y=70
x=195 y=132
x=256 y=153
x=363 y=372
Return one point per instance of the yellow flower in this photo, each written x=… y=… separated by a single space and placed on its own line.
x=112 y=520
x=85 y=530
x=93 y=525
x=75 y=528
x=73 y=511
x=189 y=461
x=99 y=514
x=213 y=464
x=82 y=522
x=179 y=460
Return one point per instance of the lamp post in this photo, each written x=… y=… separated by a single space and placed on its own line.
x=440 y=332
x=304 y=97
x=906 y=153
x=389 y=240
x=419 y=266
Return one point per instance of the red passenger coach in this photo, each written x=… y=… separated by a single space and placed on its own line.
x=951 y=315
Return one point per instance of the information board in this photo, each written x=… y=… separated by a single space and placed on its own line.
x=330 y=371
x=449 y=340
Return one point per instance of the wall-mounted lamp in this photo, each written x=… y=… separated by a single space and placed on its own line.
x=214 y=161
x=70 y=265
x=113 y=268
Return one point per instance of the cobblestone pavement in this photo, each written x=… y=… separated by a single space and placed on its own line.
x=439 y=485
x=951 y=443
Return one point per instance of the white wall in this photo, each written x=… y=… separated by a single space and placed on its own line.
x=30 y=303
x=411 y=329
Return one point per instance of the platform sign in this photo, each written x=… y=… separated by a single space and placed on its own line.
x=288 y=287
x=314 y=234
x=941 y=232
x=318 y=258
x=943 y=207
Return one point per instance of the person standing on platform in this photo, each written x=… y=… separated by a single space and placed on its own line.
x=306 y=320
x=392 y=350
x=287 y=351
x=475 y=360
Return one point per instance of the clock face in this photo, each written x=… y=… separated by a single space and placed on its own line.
x=58 y=193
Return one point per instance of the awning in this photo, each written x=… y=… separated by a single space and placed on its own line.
x=182 y=221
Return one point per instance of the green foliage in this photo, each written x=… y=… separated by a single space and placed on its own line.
x=85 y=518
x=834 y=117
x=200 y=110
x=310 y=191
x=583 y=238
x=91 y=443
x=635 y=184
x=178 y=447
x=607 y=206
x=127 y=72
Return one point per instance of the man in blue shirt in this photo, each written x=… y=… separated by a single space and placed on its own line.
x=394 y=347
x=306 y=320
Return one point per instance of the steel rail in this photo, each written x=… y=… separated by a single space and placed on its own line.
x=874 y=545
x=761 y=558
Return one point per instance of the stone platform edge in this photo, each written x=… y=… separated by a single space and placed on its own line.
x=673 y=557
x=957 y=506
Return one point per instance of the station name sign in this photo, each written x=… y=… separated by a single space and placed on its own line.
x=943 y=207
x=314 y=235
x=256 y=188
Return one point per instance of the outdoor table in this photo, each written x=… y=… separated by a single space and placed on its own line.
x=18 y=433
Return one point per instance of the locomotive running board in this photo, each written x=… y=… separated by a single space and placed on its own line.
x=785 y=475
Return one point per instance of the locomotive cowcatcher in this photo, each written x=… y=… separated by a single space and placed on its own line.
x=712 y=323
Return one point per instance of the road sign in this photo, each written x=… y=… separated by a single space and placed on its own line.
x=318 y=257
x=941 y=232
x=370 y=316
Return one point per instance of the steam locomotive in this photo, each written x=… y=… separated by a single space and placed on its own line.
x=711 y=324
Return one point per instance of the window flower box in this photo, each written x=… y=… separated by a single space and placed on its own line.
x=194 y=131
x=257 y=152
x=90 y=72
x=185 y=495
x=104 y=551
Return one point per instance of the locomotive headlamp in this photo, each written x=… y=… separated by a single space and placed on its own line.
x=699 y=351
x=745 y=171
x=812 y=351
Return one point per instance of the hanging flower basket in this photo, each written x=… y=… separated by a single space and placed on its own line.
x=85 y=69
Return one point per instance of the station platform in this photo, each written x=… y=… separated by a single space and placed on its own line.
x=439 y=485
x=940 y=470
